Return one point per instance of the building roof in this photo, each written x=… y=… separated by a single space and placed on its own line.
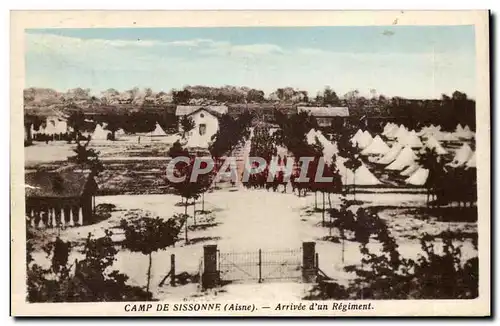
x=62 y=183
x=325 y=111
x=190 y=109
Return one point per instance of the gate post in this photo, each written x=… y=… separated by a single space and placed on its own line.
x=308 y=261
x=210 y=276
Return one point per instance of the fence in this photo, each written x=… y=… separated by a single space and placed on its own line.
x=259 y=265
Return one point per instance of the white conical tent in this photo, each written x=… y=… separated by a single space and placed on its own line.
x=462 y=155
x=357 y=136
x=120 y=132
x=329 y=148
x=465 y=133
x=410 y=170
x=362 y=176
x=158 y=131
x=401 y=133
x=311 y=137
x=365 y=140
x=459 y=129
x=378 y=146
x=471 y=163
x=392 y=132
x=391 y=155
x=389 y=128
x=431 y=130
x=423 y=131
x=418 y=178
x=323 y=140
x=448 y=136
x=432 y=143
x=411 y=139
x=99 y=133
x=404 y=159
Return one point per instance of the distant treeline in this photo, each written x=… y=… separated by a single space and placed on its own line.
x=146 y=105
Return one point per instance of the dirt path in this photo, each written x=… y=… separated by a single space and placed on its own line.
x=256 y=219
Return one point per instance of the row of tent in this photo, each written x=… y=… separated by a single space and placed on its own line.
x=404 y=159
x=56 y=126
x=102 y=134
x=361 y=176
x=51 y=127
x=393 y=131
x=377 y=146
x=400 y=157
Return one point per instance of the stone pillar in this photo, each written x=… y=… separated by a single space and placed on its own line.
x=80 y=216
x=43 y=218
x=210 y=277
x=308 y=261
x=36 y=218
x=49 y=217
x=63 y=222
x=54 y=217
x=32 y=217
x=71 y=216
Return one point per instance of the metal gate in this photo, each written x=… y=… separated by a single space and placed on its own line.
x=260 y=266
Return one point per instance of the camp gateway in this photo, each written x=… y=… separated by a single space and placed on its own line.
x=206 y=307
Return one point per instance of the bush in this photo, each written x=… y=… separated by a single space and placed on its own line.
x=86 y=280
x=390 y=276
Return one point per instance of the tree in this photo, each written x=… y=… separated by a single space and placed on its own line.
x=204 y=182
x=231 y=133
x=76 y=120
x=353 y=163
x=31 y=120
x=181 y=97
x=148 y=235
x=255 y=95
x=293 y=130
x=343 y=220
x=458 y=96
x=330 y=97
x=187 y=124
x=177 y=150
x=335 y=186
x=352 y=153
x=305 y=96
x=90 y=279
x=429 y=160
x=113 y=123
x=87 y=157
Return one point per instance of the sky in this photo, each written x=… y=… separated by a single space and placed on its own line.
x=406 y=61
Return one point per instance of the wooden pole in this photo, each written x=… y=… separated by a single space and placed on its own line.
x=194 y=210
x=323 y=211
x=260 y=265
x=172 y=269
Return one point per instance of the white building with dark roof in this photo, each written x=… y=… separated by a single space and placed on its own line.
x=206 y=121
x=325 y=114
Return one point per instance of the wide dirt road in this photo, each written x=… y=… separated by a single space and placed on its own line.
x=254 y=219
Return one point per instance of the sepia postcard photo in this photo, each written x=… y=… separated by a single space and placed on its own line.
x=244 y=163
